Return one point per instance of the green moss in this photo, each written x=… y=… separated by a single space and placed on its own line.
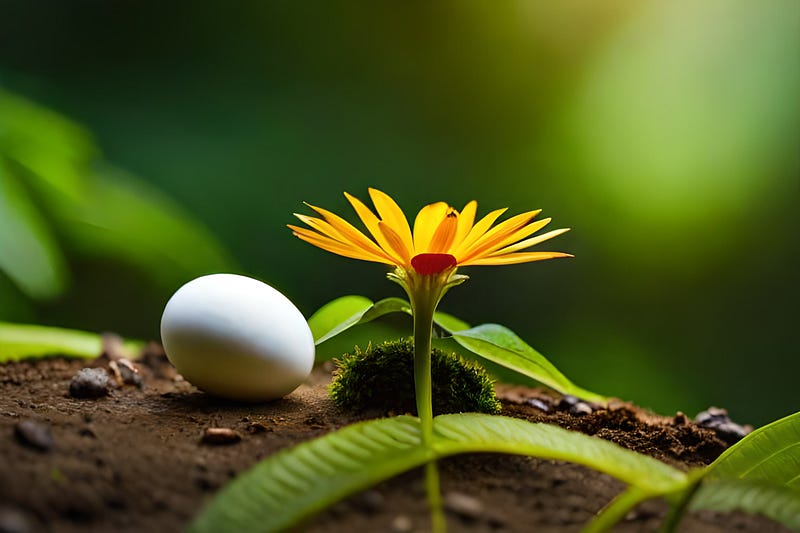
x=382 y=378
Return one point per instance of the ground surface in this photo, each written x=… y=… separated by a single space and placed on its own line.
x=135 y=461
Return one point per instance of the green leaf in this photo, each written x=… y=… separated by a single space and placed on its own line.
x=759 y=474
x=29 y=253
x=778 y=502
x=122 y=217
x=474 y=432
x=770 y=454
x=502 y=346
x=24 y=341
x=343 y=313
x=336 y=316
x=448 y=322
x=295 y=483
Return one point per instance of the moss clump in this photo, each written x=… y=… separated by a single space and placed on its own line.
x=382 y=378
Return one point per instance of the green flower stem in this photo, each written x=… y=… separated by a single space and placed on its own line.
x=424 y=293
x=423 y=305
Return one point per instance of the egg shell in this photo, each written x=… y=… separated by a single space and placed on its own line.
x=237 y=338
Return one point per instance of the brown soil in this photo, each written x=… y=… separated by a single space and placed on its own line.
x=135 y=460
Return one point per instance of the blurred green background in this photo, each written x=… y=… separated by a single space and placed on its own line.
x=666 y=134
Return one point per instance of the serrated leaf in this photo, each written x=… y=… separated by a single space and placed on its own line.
x=25 y=341
x=770 y=454
x=341 y=314
x=502 y=346
x=778 y=502
x=293 y=484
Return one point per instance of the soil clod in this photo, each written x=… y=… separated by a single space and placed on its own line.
x=90 y=383
x=34 y=435
x=125 y=373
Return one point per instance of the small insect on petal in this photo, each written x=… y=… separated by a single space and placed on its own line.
x=427 y=264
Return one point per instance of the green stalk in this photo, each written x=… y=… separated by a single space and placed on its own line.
x=424 y=293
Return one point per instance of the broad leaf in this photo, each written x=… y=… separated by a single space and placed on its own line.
x=449 y=323
x=474 y=432
x=502 y=346
x=29 y=253
x=778 y=502
x=293 y=484
x=343 y=313
x=123 y=217
x=759 y=474
x=770 y=454
x=336 y=316
x=24 y=341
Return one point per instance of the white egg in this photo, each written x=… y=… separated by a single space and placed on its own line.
x=237 y=338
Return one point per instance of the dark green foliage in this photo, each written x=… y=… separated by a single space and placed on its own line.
x=382 y=378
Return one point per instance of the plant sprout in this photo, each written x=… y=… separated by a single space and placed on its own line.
x=426 y=260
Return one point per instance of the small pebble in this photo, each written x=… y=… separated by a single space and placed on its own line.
x=370 y=501
x=538 y=404
x=463 y=505
x=90 y=383
x=711 y=416
x=13 y=521
x=402 y=523
x=34 y=434
x=717 y=419
x=581 y=409
x=567 y=401
x=731 y=432
x=219 y=436
x=257 y=427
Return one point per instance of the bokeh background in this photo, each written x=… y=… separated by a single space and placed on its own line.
x=143 y=144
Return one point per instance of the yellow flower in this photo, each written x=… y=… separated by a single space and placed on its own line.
x=442 y=237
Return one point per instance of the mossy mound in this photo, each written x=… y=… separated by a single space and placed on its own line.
x=382 y=378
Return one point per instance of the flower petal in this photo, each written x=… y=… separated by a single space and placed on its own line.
x=394 y=242
x=426 y=224
x=497 y=235
x=350 y=234
x=395 y=249
x=391 y=213
x=477 y=231
x=330 y=245
x=510 y=259
x=445 y=233
x=466 y=218
x=521 y=245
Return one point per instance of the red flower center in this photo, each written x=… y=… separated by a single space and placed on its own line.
x=426 y=264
